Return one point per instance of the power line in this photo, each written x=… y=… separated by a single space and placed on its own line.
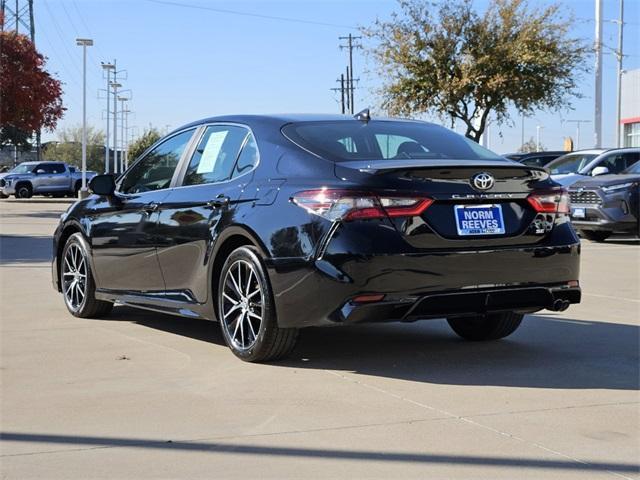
x=255 y=15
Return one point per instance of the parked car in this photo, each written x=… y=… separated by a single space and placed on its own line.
x=606 y=204
x=274 y=223
x=41 y=178
x=535 y=159
x=575 y=166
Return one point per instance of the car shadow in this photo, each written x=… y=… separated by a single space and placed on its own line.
x=25 y=249
x=194 y=328
x=545 y=352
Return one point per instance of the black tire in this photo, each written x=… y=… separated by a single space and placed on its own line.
x=270 y=342
x=596 y=235
x=492 y=326
x=89 y=307
x=23 y=190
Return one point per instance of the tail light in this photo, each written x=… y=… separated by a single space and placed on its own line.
x=348 y=205
x=556 y=201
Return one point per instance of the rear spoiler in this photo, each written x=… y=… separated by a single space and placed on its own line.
x=385 y=166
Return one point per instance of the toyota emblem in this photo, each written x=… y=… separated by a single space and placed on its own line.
x=482 y=181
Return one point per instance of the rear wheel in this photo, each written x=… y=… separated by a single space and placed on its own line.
x=596 y=235
x=23 y=190
x=492 y=326
x=246 y=311
x=78 y=285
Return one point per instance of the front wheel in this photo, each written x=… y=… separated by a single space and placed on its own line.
x=78 y=285
x=596 y=235
x=246 y=311
x=23 y=190
x=491 y=326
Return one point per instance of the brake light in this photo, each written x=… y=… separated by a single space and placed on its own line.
x=550 y=202
x=349 y=205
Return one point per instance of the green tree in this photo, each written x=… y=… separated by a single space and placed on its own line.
x=148 y=138
x=68 y=148
x=449 y=60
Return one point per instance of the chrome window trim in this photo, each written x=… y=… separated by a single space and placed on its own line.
x=203 y=128
x=150 y=149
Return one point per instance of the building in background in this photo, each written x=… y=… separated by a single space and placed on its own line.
x=630 y=108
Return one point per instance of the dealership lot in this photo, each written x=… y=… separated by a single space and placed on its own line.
x=143 y=395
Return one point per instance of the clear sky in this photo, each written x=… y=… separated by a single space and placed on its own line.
x=185 y=63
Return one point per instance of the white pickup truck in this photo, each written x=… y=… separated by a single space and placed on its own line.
x=41 y=178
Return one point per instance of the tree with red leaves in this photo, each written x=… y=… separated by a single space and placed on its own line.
x=30 y=98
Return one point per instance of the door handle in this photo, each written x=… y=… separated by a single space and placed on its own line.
x=151 y=207
x=219 y=201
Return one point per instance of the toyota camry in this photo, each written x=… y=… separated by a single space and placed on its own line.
x=269 y=224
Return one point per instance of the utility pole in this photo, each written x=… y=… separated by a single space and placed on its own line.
x=619 y=57
x=578 y=123
x=124 y=112
x=351 y=45
x=597 y=119
x=115 y=85
x=108 y=67
x=342 y=92
x=348 y=96
x=84 y=43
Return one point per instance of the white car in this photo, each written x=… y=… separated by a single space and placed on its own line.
x=574 y=166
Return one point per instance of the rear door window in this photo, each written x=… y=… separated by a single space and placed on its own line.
x=216 y=155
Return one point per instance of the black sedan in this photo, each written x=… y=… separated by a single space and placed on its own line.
x=273 y=223
x=606 y=204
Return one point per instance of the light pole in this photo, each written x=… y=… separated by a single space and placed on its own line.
x=115 y=86
x=84 y=43
x=538 y=128
x=107 y=67
x=597 y=118
x=619 y=58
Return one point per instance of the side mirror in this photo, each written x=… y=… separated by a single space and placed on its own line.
x=599 y=171
x=102 y=185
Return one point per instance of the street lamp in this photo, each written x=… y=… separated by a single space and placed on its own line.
x=107 y=67
x=84 y=43
x=115 y=86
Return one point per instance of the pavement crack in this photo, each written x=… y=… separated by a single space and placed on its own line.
x=472 y=422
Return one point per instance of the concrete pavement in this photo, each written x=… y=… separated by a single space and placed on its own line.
x=143 y=395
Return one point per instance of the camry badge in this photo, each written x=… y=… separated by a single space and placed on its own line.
x=482 y=181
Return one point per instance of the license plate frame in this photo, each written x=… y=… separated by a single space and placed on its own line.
x=579 y=212
x=479 y=220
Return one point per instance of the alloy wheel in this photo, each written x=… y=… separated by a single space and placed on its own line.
x=74 y=277
x=242 y=304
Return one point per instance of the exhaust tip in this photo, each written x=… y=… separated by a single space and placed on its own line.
x=560 y=305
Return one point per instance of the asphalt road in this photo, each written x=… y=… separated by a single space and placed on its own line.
x=142 y=395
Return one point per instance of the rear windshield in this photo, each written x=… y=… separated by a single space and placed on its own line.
x=571 y=163
x=355 y=140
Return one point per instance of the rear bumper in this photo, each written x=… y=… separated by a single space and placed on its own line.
x=423 y=285
x=462 y=303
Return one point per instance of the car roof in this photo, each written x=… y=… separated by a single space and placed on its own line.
x=284 y=118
